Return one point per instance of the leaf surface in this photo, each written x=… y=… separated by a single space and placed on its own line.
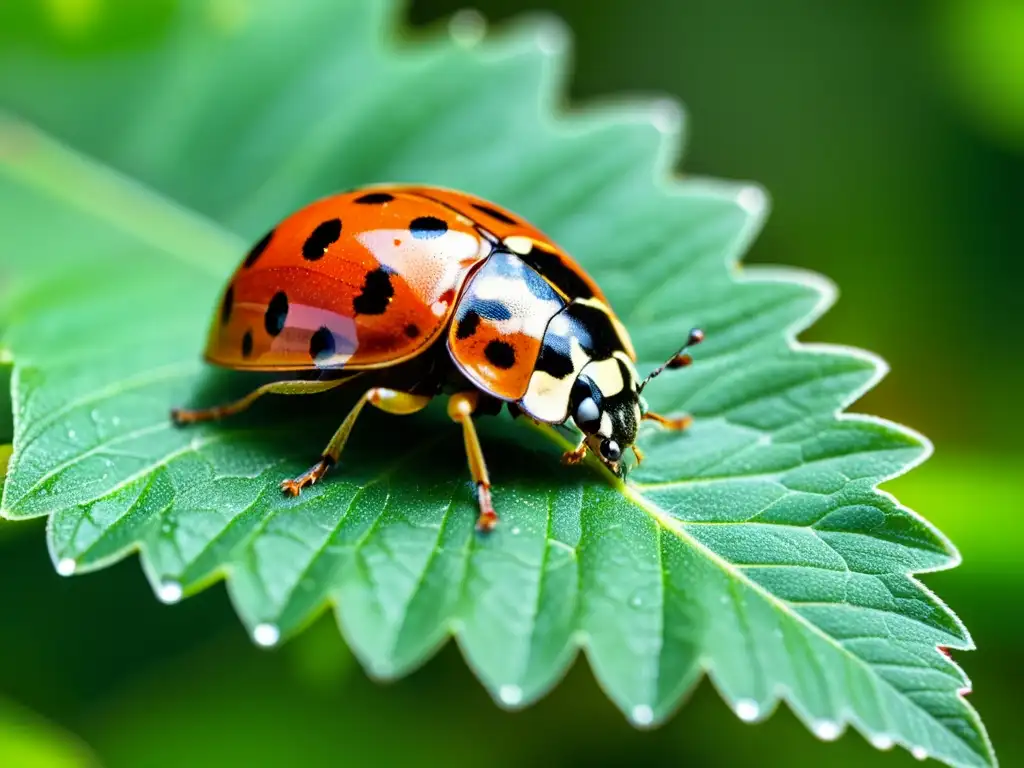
x=754 y=547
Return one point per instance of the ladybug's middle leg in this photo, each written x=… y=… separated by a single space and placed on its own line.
x=460 y=408
x=187 y=416
x=388 y=400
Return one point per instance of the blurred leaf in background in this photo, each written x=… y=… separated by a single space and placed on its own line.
x=27 y=741
x=980 y=50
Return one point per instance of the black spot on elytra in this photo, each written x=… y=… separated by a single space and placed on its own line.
x=427 y=227
x=247 y=344
x=467 y=325
x=276 y=314
x=375 y=198
x=258 y=249
x=325 y=234
x=555 y=358
x=500 y=354
x=376 y=294
x=412 y=330
x=227 y=305
x=321 y=344
x=494 y=213
x=554 y=269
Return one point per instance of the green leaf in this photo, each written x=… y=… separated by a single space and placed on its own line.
x=753 y=547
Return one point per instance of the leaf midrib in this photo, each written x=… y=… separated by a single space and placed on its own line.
x=676 y=527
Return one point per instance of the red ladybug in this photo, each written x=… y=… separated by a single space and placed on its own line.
x=433 y=292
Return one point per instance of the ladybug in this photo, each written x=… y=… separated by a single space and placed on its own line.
x=422 y=291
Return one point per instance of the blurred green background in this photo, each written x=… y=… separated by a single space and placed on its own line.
x=891 y=138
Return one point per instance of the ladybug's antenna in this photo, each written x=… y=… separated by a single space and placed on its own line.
x=679 y=360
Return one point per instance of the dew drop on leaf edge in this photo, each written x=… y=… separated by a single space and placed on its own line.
x=828 y=730
x=169 y=591
x=467 y=27
x=642 y=714
x=266 y=635
x=747 y=710
x=882 y=741
x=66 y=566
x=510 y=695
x=919 y=753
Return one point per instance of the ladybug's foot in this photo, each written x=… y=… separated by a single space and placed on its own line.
x=294 y=486
x=488 y=518
x=576 y=455
x=677 y=424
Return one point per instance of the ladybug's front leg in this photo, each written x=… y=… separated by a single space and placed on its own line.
x=460 y=408
x=576 y=455
x=387 y=400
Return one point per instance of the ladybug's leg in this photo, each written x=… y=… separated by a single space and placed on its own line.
x=460 y=409
x=388 y=400
x=186 y=416
x=679 y=423
x=577 y=454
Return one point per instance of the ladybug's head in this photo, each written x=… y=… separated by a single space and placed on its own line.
x=607 y=406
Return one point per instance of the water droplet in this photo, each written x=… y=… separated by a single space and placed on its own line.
x=116 y=421
x=636 y=601
x=516 y=531
x=467 y=27
x=882 y=741
x=826 y=730
x=551 y=35
x=919 y=753
x=266 y=635
x=747 y=710
x=510 y=694
x=66 y=566
x=169 y=592
x=751 y=199
x=642 y=714
x=667 y=116
x=72 y=434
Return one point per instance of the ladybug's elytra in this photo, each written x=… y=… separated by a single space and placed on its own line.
x=424 y=291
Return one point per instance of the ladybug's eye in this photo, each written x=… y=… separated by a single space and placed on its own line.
x=610 y=450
